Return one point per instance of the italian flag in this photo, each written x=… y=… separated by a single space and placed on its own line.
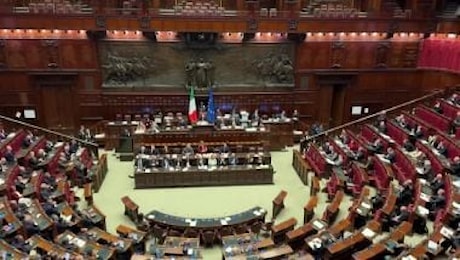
x=192 y=113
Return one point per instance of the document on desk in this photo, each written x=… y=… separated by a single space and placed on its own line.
x=223 y=222
x=425 y=197
x=432 y=246
x=368 y=233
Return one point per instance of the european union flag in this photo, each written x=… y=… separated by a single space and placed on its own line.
x=211 y=114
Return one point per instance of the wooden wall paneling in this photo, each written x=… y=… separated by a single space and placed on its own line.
x=313 y=55
x=78 y=54
x=114 y=23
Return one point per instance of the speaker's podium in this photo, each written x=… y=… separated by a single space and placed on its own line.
x=125 y=148
x=203 y=126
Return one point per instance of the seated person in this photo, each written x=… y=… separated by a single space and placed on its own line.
x=33 y=161
x=401 y=121
x=437 y=201
x=427 y=170
x=437 y=107
x=456 y=122
x=360 y=155
x=20 y=243
x=406 y=193
x=9 y=155
x=442 y=149
x=377 y=201
x=390 y=155
x=333 y=156
x=3 y=166
x=222 y=160
x=165 y=161
x=417 y=132
x=232 y=159
x=455 y=166
x=212 y=161
x=376 y=146
x=201 y=162
x=437 y=183
x=3 y=134
x=343 y=137
x=50 y=207
x=188 y=150
x=202 y=148
x=27 y=141
x=30 y=226
x=225 y=148
x=408 y=145
x=454 y=99
x=74 y=146
x=433 y=140
x=382 y=127
x=154 y=151
x=401 y=216
x=143 y=151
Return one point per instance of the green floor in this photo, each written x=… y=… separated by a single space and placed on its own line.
x=209 y=201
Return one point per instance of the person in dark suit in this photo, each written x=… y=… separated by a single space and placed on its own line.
x=360 y=155
x=400 y=217
x=3 y=166
x=154 y=151
x=50 y=207
x=27 y=141
x=376 y=146
x=20 y=243
x=427 y=170
x=390 y=155
x=437 y=183
x=408 y=145
x=188 y=150
x=406 y=193
x=232 y=159
x=455 y=166
x=437 y=201
x=3 y=134
x=9 y=155
x=382 y=127
x=225 y=148
x=437 y=107
x=73 y=146
x=33 y=161
x=343 y=137
x=442 y=149
x=417 y=132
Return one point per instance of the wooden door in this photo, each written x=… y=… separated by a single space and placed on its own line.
x=57 y=107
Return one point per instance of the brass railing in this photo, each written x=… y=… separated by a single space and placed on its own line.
x=93 y=147
x=435 y=93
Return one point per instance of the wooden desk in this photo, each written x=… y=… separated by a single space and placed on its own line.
x=136 y=235
x=131 y=208
x=295 y=238
x=332 y=210
x=14 y=225
x=232 y=175
x=208 y=135
x=121 y=245
x=95 y=216
x=83 y=245
x=358 y=241
x=276 y=253
x=300 y=166
x=281 y=133
x=15 y=253
x=278 y=203
x=39 y=242
x=167 y=221
x=315 y=186
x=88 y=193
x=279 y=230
x=309 y=209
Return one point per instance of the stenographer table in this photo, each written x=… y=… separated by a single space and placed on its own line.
x=194 y=176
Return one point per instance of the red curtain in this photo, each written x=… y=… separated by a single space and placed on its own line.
x=440 y=54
